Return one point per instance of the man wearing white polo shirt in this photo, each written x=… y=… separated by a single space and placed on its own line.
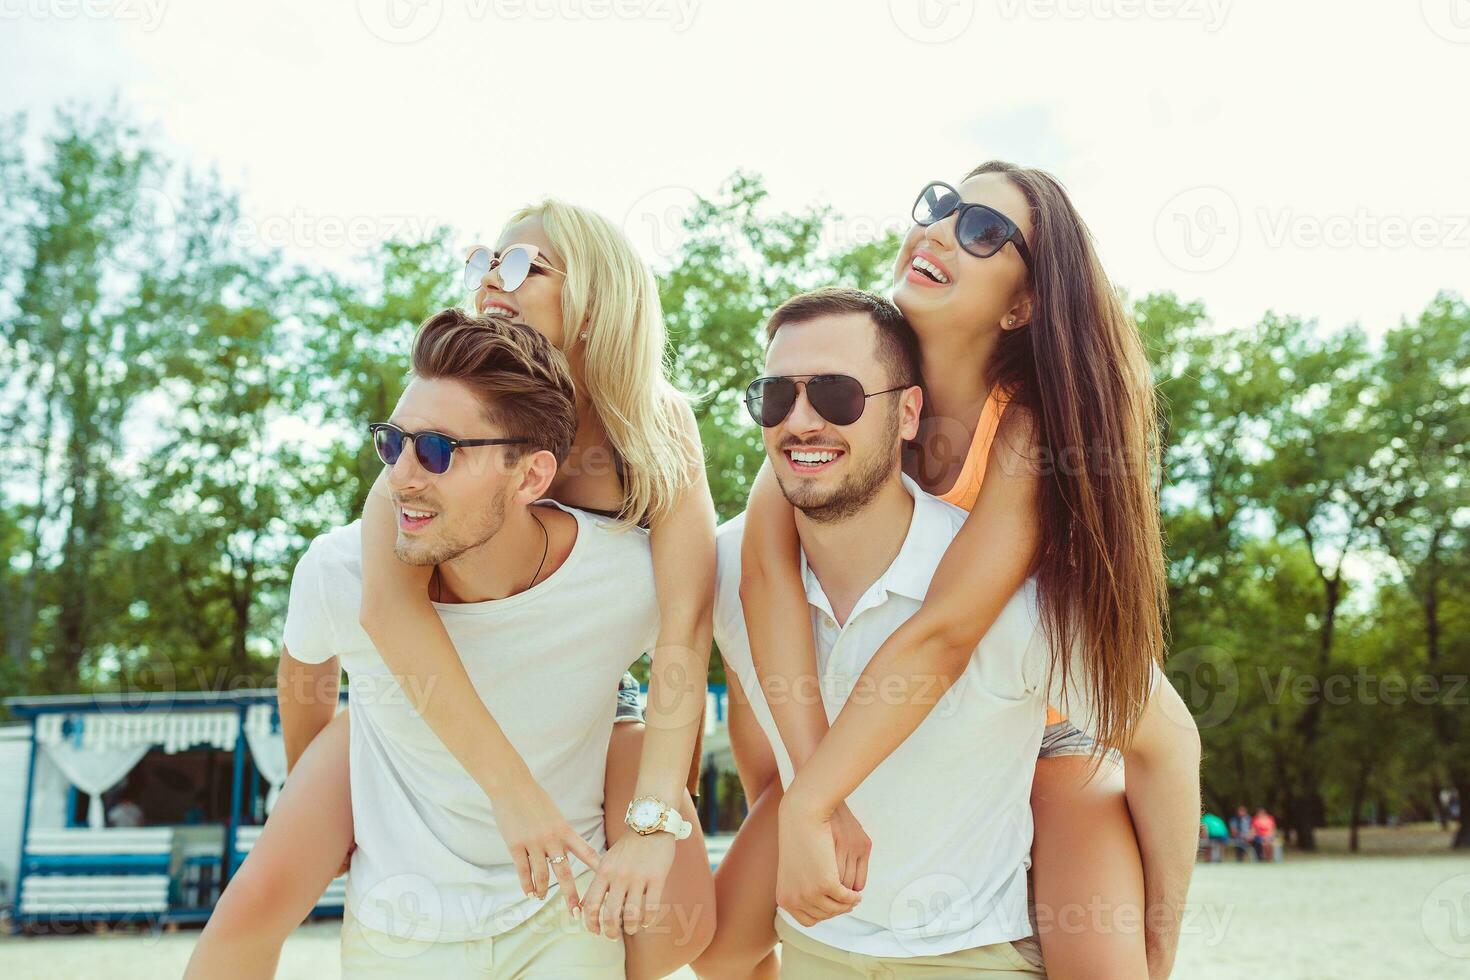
x=522 y=587
x=948 y=812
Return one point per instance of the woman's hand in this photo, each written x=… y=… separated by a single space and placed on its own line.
x=852 y=847
x=346 y=861
x=535 y=831
x=629 y=885
x=809 y=882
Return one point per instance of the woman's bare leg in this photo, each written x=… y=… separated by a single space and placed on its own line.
x=676 y=937
x=1087 y=873
x=300 y=850
x=744 y=945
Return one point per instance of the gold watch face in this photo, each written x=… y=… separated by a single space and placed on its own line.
x=644 y=815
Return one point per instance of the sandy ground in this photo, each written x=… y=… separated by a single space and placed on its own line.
x=1307 y=918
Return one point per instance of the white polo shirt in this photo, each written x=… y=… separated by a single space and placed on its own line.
x=430 y=864
x=949 y=812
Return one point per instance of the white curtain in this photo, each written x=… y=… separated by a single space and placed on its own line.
x=48 y=794
x=267 y=748
x=94 y=771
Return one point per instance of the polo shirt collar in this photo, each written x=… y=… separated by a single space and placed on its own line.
x=912 y=568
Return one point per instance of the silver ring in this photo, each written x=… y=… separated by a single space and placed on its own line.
x=558 y=859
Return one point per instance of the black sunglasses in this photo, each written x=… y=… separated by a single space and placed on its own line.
x=836 y=397
x=435 y=450
x=982 y=231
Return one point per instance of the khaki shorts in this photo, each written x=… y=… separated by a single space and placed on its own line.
x=803 y=958
x=550 y=945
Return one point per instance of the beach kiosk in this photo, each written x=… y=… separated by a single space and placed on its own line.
x=139 y=807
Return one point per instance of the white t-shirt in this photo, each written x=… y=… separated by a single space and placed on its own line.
x=949 y=812
x=430 y=864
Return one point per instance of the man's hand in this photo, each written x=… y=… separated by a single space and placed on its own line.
x=535 y=832
x=627 y=891
x=808 y=882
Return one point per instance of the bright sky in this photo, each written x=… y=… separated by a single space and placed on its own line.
x=1308 y=157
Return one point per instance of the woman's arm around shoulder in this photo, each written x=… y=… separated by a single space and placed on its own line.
x=988 y=560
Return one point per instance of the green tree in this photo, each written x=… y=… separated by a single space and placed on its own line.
x=70 y=320
x=356 y=335
x=738 y=263
x=1417 y=500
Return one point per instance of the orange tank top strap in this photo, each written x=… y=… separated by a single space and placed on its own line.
x=966 y=489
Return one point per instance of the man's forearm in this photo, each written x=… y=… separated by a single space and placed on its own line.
x=307 y=697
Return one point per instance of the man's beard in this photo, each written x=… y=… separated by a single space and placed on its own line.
x=857 y=490
x=438 y=552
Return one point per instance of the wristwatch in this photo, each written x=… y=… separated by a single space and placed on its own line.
x=650 y=815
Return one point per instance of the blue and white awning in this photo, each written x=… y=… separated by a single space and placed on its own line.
x=175 y=731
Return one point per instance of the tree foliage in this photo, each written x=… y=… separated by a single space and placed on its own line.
x=185 y=411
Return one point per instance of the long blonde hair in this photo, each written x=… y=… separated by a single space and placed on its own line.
x=610 y=295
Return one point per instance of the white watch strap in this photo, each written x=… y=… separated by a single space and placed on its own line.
x=675 y=824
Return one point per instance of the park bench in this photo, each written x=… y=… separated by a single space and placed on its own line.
x=97 y=872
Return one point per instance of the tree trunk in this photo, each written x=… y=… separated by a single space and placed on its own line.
x=1444 y=722
x=22 y=624
x=1460 y=778
x=1360 y=786
x=1302 y=819
x=1308 y=807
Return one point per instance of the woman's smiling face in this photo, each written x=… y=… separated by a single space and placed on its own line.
x=537 y=302
x=938 y=285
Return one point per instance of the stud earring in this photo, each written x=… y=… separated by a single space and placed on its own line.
x=1010 y=321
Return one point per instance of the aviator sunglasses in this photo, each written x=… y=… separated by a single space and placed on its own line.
x=515 y=263
x=980 y=230
x=835 y=397
x=435 y=450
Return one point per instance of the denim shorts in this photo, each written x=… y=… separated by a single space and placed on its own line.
x=630 y=705
x=1064 y=738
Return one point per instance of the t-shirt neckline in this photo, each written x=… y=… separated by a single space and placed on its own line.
x=541 y=587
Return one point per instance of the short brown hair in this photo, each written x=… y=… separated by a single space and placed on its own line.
x=522 y=381
x=898 y=347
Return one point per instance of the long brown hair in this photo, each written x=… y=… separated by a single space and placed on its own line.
x=1079 y=368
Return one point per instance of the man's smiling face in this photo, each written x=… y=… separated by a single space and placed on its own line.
x=444 y=515
x=828 y=471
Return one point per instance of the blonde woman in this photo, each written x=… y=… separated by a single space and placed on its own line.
x=571 y=275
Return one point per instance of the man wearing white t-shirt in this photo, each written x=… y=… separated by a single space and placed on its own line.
x=522 y=587
x=948 y=812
